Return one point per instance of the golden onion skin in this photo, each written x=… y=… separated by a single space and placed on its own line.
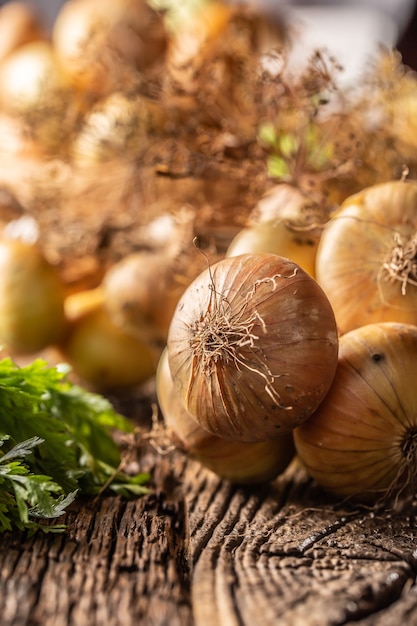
x=356 y=250
x=252 y=347
x=103 y=355
x=236 y=461
x=280 y=238
x=284 y=221
x=362 y=440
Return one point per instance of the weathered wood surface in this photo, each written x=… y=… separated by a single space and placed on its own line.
x=198 y=551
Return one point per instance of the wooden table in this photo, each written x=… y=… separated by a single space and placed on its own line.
x=198 y=551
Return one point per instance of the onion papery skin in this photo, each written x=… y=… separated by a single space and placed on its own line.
x=362 y=440
x=355 y=245
x=252 y=347
x=236 y=461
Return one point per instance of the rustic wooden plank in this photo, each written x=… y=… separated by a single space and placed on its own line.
x=118 y=563
x=290 y=556
x=198 y=551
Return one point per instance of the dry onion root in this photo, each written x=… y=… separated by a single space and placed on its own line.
x=367 y=256
x=236 y=461
x=252 y=347
x=362 y=440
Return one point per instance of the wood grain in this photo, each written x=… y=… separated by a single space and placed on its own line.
x=198 y=551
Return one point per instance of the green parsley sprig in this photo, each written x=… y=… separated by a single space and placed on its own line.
x=56 y=441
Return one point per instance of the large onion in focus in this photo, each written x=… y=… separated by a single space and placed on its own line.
x=362 y=440
x=367 y=256
x=239 y=462
x=252 y=347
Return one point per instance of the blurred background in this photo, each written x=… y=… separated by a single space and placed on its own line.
x=403 y=13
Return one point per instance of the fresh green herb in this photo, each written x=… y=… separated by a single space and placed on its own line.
x=24 y=495
x=56 y=441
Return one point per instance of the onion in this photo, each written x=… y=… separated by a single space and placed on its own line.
x=19 y=25
x=390 y=96
x=362 y=440
x=101 y=45
x=252 y=347
x=284 y=221
x=236 y=461
x=280 y=238
x=34 y=90
x=100 y=353
x=141 y=294
x=216 y=31
x=30 y=77
x=31 y=299
x=204 y=28
x=115 y=127
x=82 y=301
x=367 y=256
x=143 y=288
x=403 y=124
x=15 y=141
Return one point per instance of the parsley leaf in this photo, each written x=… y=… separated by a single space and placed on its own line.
x=55 y=441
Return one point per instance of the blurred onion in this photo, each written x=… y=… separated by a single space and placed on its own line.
x=31 y=299
x=100 y=353
x=102 y=44
x=34 y=89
